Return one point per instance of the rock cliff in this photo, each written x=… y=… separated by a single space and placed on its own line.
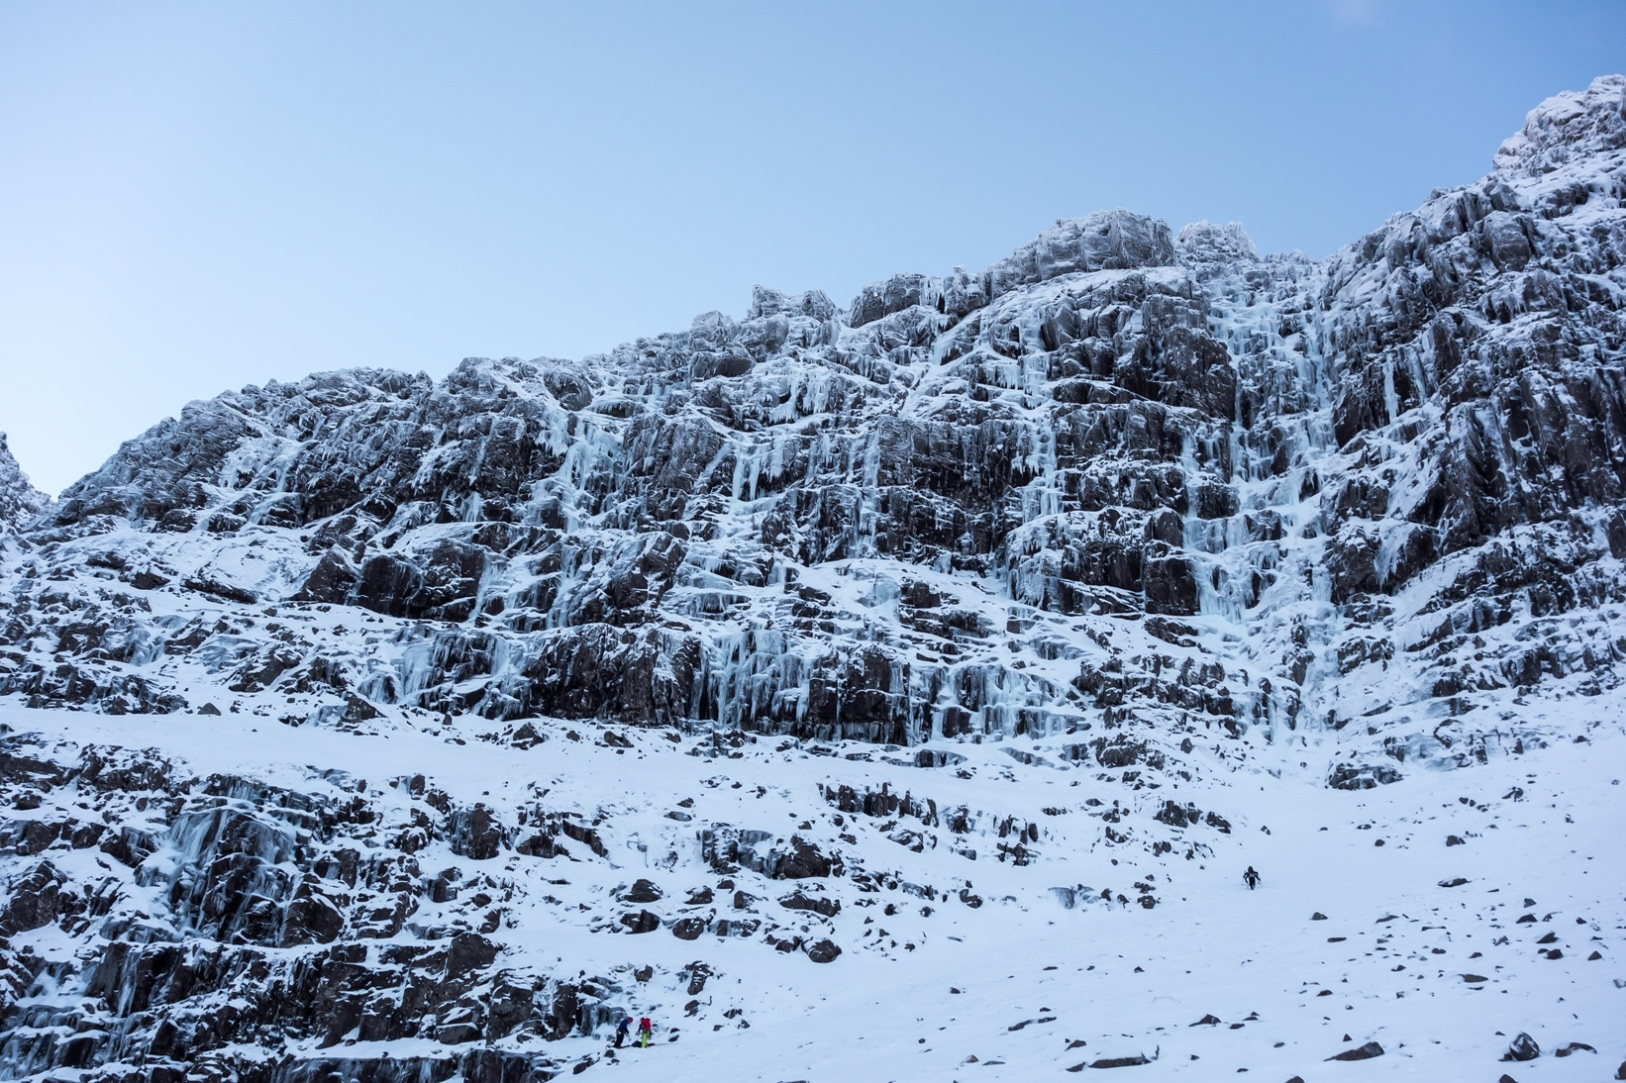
x=20 y=502
x=1117 y=471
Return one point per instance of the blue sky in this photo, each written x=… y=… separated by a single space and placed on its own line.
x=200 y=196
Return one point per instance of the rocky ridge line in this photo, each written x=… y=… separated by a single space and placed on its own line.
x=20 y=502
x=1120 y=478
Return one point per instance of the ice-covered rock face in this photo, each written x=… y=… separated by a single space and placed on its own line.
x=1205 y=243
x=1112 y=479
x=19 y=500
x=1574 y=127
x=1113 y=240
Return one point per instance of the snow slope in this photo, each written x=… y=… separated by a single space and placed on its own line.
x=1033 y=974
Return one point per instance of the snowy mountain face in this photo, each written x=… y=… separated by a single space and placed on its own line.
x=20 y=502
x=986 y=583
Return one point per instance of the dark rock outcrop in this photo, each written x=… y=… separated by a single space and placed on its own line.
x=252 y=929
x=20 y=502
x=1363 y=1052
x=823 y=951
x=1522 y=1048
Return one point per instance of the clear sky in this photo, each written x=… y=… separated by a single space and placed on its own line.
x=195 y=197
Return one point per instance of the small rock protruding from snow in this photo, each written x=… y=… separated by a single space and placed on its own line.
x=643 y=891
x=823 y=951
x=1364 y=1052
x=1522 y=1048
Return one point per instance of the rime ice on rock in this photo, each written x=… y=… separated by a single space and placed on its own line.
x=1204 y=244
x=19 y=500
x=1113 y=240
x=982 y=503
x=1574 y=128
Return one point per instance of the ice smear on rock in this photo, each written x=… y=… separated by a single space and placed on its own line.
x=19 y=500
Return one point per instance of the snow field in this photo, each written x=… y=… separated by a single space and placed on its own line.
x=1032 y=975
